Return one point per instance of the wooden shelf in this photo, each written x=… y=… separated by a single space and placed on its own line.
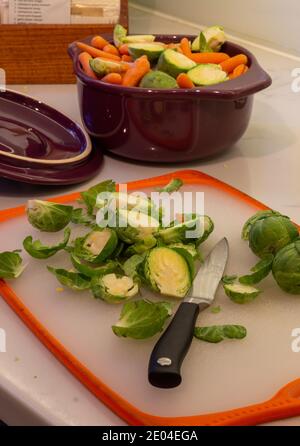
x=37 y=54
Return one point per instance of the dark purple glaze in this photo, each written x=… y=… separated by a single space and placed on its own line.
x=31 y=129
x=169 y=125
x=54 y=176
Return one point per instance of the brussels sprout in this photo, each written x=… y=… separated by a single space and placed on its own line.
x=89 y=197
x=211 y=39
x=167 y=272
x=134 y=227
x=114 y=288
x=91 y=270
x=96 y=246
x=75 y=281
x=173 y=186
x=142 y=319
x=268 y=235
x=240 y=294
x=47 y=216
x=259 y=271
x=203 y=226
x=260 y=215
x=39 y=251
x=218 y=333
x=286 y=268
x=119 y=34
x=11 y=265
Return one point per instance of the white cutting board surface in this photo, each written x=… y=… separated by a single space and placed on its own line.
x=215 y=377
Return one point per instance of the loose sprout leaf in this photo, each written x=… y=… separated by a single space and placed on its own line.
x=90 y=196
x=131 y=265
x=75 y=281
x=241 y=294
x=11 y=265
x=259 y=271
x=229 y=279
x=47 y=216
x=39 y=251
x=79 y=217
x=173 y=186
x=142 y=319
x=260 y=215
x=91 y=270
x=219 y=333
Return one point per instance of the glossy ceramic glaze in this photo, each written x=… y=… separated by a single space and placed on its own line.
x=169 y=125
x=34 y=133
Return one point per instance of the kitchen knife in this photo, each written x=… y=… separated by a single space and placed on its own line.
x=171 y=349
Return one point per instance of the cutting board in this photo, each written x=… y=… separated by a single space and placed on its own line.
x=216 y=378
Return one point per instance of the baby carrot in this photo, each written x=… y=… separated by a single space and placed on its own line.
x=111 y=49
x=99 y=42
x=123 y=49
x=112 y=78
x=230 y=64
x=84 y=59
x=133 y=76
x=126 y=58
x=94 y=52
x=215 y=58
x=238 y=71
x=246 y=69
x=184 y=81
x=185 y=47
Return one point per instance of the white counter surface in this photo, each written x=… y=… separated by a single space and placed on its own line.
x=34 y=387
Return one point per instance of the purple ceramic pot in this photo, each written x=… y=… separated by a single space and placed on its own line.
x=169 y=125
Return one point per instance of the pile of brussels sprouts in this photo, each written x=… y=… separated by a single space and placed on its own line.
x=113 y=261
x=275 y=239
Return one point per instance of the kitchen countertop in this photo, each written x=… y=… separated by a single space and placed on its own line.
x=35 y=388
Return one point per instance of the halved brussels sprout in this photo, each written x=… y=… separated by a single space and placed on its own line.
x=167 y=272
x=202 y=226
x=133 y=227
x=269 y=234
x=114 y=288
x=47 y=216
x=96 y=246
x=11 y=266
x=286 y=268
x=211 y=39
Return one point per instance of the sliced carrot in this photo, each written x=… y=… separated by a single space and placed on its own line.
x=230 y=64
x=123 y=49
x=99 y=42
x=186 y=47
x=112 y=78
x=84 y=59
x=126 y=58
x=184 y=81
x=215 y=58
x=133 y=76
x=94 y=52
x=111 y=49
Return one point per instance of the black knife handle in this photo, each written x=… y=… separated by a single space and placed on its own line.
x=171 y=349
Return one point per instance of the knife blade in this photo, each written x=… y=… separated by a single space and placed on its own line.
x=170 y=350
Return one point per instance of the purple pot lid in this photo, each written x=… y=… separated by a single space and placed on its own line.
x=32 y=132
x=55 y=175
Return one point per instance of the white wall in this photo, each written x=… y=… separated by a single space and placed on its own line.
x=276 y=22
